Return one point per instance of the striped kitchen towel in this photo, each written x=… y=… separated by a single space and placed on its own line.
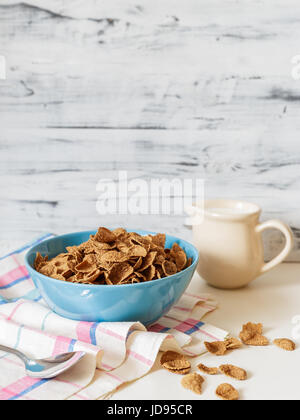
x=116 y=353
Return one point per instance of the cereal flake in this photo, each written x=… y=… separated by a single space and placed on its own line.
x=234 y=372
x=193 y=382
x=227 y=392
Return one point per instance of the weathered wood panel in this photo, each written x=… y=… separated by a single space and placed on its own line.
x=44 y=189
x=163 y=88
x=106 y=73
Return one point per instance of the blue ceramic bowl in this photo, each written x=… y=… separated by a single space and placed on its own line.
x=144 y=302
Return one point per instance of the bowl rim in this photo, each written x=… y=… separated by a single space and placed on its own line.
x=107 y=286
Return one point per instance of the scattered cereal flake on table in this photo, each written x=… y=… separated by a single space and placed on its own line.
x=258 y=341
x=208 y=370
x=193 y=382
x=175 y=363
x=227 y=392
x=181 y=371
x=251 y=335
x=218 y=348
x=285 y=344
x=233 y=343
x=234 y=372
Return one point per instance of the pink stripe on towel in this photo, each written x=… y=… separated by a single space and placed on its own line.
x=61 y=346
x=17 y=388
x=140 y=358
x=83 y=332
x=13 y=275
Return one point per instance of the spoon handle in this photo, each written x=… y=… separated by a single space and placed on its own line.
x=15 y=352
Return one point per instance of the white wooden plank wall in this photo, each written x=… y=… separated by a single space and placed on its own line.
x=193 y=88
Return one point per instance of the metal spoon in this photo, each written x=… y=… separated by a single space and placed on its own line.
x=46 y=368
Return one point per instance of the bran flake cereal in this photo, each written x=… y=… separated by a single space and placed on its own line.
x=218 y=348
x=227 y=392
x=234 y=372
x=115 y=258
x=285 y=344
x=251 y=335
x=193 y=382
x=208 y=370
x=175 y=363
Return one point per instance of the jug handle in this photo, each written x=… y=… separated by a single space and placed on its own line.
x=287 y=232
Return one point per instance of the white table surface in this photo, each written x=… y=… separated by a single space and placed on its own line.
x=274 y=300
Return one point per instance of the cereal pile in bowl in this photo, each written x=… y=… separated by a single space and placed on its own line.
x=114 y=258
